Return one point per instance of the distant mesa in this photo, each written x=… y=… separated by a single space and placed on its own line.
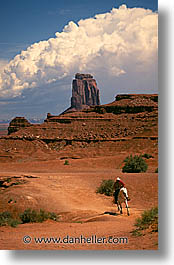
x=85 y=93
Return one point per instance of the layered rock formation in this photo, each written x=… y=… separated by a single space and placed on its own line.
x=18 y=123
x=85 y=92
x=130 y=103
x=127 y=125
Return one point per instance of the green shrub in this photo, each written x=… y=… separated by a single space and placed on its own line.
x=7 y=219
x=32 y=216
x=66 y=163
x=149 y=217
x=53 y=216
x=14 y=222
x=106 y=187
x=134 y=164
x=28 y=216
x=41 y=216
x=4 y=218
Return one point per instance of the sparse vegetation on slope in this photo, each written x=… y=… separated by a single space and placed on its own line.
x=106 y=187
x=134 y=164
x=33 y=216
x=28 y=216
x=148 y=218
x=7 y=219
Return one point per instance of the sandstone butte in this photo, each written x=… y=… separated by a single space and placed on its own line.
x=85 y=92
x=87 y=129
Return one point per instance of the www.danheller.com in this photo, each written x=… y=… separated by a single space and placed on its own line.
x=94 y=239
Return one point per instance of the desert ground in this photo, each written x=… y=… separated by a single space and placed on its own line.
x=95 y=141
x=70 y=191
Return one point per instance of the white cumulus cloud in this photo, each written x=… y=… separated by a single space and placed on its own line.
x=112 y=44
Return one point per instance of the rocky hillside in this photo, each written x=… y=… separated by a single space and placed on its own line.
x=129 y=124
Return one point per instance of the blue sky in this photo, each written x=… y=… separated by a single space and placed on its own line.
x=24 y=23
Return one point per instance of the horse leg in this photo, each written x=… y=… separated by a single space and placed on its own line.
x=127 y=207
x=119 y=208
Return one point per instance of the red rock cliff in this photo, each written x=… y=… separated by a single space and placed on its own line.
x=84 y=92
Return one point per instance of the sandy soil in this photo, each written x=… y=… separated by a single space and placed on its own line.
x=70 y=191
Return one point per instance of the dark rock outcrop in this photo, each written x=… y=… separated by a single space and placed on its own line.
x=137 y=99
x=18 y=123
x=130 y=103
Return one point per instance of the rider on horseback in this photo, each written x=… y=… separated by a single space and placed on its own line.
x=117 y=186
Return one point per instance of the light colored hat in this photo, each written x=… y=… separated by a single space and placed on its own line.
x=118 y=178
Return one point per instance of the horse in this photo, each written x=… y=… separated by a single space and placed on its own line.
x=122 y=198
